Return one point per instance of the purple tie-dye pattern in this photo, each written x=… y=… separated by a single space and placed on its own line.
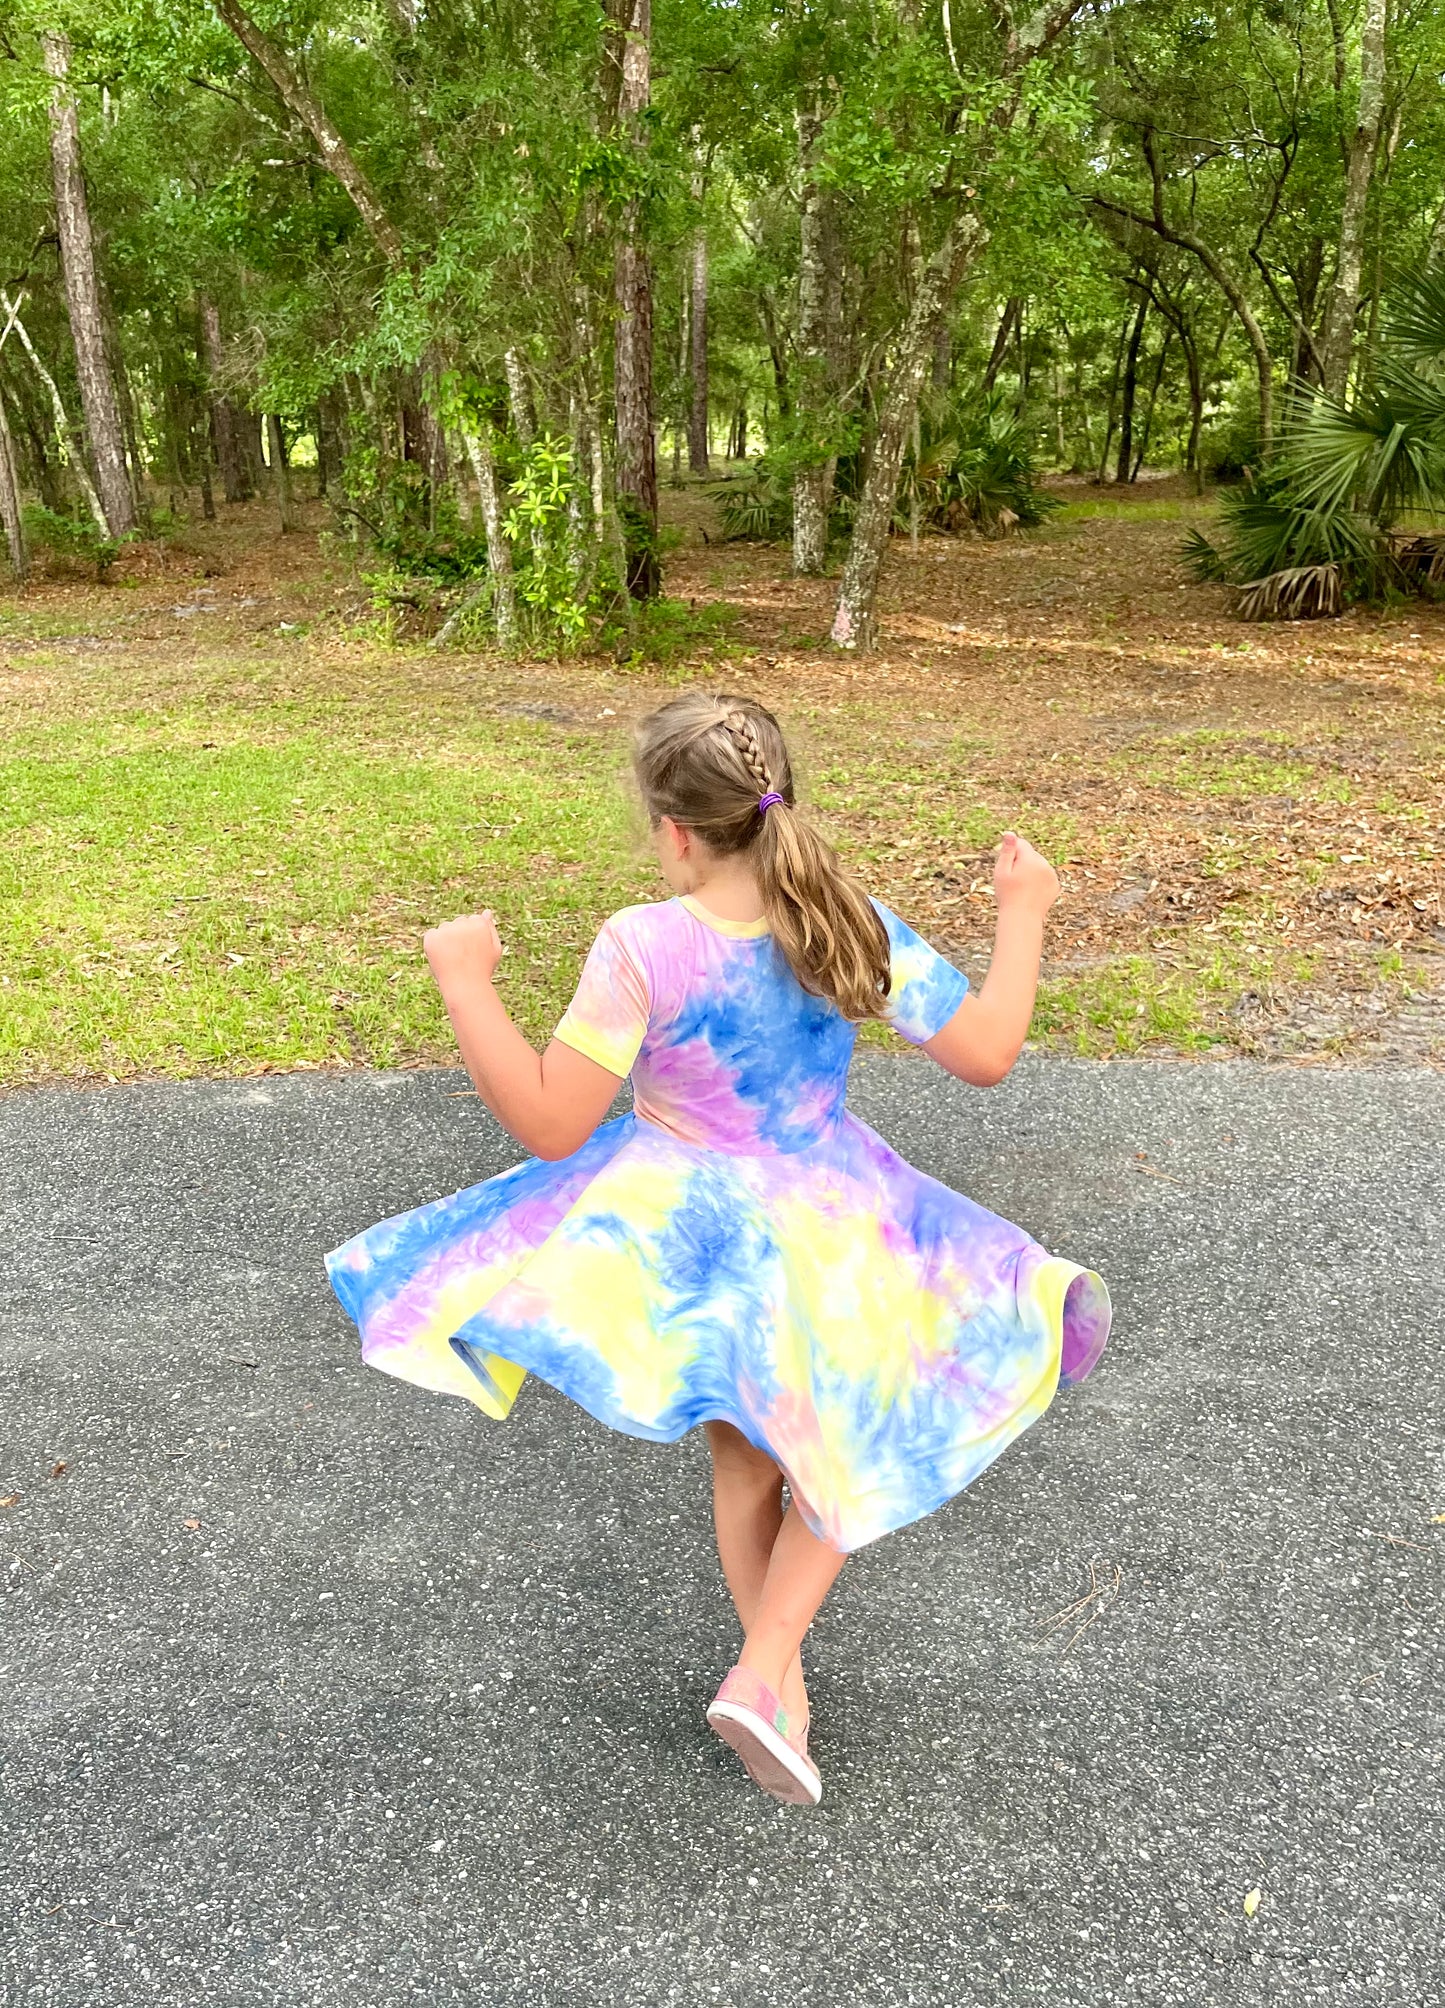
x=741 y=1247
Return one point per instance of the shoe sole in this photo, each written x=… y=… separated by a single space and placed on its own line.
x=772 y=1764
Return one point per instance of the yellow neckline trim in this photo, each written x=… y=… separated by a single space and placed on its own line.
x=740 y=930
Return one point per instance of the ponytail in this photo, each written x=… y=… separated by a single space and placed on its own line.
x=709 y=763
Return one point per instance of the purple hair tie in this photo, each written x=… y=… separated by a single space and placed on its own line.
x=770 y=801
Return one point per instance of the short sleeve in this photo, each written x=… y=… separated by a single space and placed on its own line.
x=607 y=1018
x=925 y=990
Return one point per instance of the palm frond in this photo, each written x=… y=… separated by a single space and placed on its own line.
x=1201 y=558
x=1384 y=453
x=758 y=510
x=1416 y=327
x=1300 y=593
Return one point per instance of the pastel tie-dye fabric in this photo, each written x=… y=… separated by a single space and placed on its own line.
x=740 y=1247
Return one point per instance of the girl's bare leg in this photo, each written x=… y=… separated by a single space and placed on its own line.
x=747 y=1497
x=801 y=1571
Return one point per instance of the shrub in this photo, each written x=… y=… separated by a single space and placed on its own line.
x=77 y=539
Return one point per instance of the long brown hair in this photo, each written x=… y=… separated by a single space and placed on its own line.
x=706 y=762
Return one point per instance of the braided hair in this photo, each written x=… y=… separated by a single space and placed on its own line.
x=707 y=762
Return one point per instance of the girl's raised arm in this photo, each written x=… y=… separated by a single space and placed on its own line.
x=551 y=1102
x=986 y=1034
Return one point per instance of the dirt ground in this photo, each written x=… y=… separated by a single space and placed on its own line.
x=1249 y=820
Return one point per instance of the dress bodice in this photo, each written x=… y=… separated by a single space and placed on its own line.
x=725 y=1047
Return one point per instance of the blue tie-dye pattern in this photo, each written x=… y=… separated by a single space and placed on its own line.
x=873 y=1330
x=775 y=1041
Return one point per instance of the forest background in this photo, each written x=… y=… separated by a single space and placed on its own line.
x=565 y=336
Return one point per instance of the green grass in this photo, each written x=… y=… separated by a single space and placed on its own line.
x=1131 y=1003
x=1226 y=765
x=1160 y=509
x=172 y=906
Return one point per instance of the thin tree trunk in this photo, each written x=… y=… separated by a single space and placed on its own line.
x=43 y=467
x=585 y=548
x=323 y=448
x=499 y=552
x=697 y=310
x=11 y=519
x=125 y=401
x=1131 y=386
x=1112 y=412
x=82 y=295
x=915 y=499
x=636 y=461
x=855 y=624
x=280 y=474
x=684 y=372
x=1218 y=272
x=1359 y=169
x=249 y=427
x=812 y=478
x=519 y=396
x=66 y=438
x=1153 y=400
x=1008 y=321
x=225 y=428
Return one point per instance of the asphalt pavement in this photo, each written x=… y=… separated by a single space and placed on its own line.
x=318 y=1689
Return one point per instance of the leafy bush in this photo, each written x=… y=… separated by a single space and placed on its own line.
x=992 y=481
x=1291 y=560
x=758 y=509
x=975 y=469
x=1230 y=446
x=1317 y=529
x=539 y=527
x=77 y=538
x=420 y=535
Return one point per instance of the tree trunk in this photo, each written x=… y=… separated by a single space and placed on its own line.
x=65 y=437
x=249 y=428
x=323 y=448
x=280 y=474
x=499 y=553
x=1112 y=411
x=1192 y=461
x=942 y=357
x=82 y=295
x=855 y=624
x=44 y=470
x=311 y=113
x=636 y=456
x=812 y=477
x=1153 y=400
x=1131 y=386
x=1008 y=321
x=225 y=427
x=1305 y=275
x=519 y=396
x=1218 y=272
x=11 y=519
x=1359 y=169
x=697 y=312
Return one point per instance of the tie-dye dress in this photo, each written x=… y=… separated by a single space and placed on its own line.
x=740 y=1247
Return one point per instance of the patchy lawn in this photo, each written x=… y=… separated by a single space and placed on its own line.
x=232 y=794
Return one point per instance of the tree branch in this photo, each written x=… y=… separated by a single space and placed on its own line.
x=300 y=102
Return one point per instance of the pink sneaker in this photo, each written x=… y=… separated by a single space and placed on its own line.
x=748 y=1716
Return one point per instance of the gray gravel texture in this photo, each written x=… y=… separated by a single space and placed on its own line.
x=414 y=1714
